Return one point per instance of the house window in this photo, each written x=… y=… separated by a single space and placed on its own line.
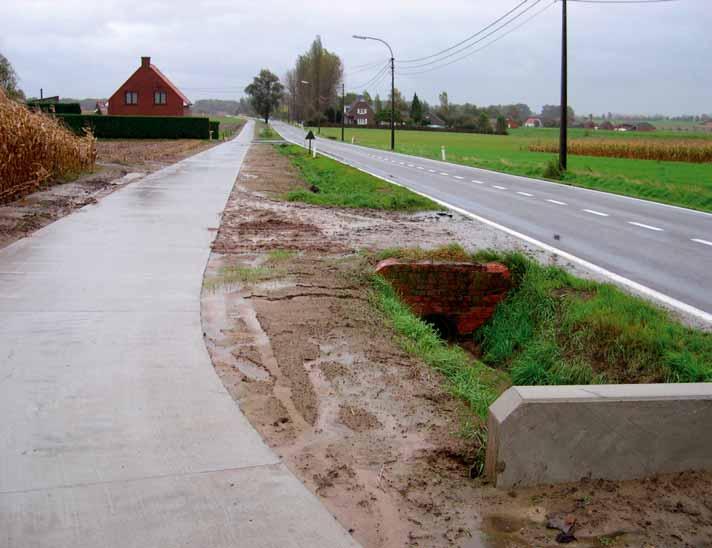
x=131 y=97
x=159 y=97
x=361 y=111
x=362 y=121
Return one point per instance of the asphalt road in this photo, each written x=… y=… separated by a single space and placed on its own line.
x=660 y=251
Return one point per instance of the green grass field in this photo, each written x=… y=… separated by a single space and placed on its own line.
x=335 y=184
x=553 y=329
x=678 y=183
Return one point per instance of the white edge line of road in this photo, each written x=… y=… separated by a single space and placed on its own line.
x=622 y=280
x=609 y=194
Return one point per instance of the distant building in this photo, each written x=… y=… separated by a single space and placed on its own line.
x=533 y=122
x=645 y=126
x=148 y=92
x=433 y=120
x=102 y=107
x=512 y=124
x=359 y=113
x=606 y=125
x=590 y=124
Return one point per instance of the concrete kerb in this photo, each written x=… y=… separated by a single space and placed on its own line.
x=556 y=434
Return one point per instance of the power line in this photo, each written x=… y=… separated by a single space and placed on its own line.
x=466 y=39
x=479 y=40
x=379 y=74
x=621 y=1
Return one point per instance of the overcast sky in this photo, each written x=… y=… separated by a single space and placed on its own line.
x=636 y=59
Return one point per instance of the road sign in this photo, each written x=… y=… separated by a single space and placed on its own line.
x=310 y=137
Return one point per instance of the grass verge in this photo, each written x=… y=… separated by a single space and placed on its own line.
x=335 y=184
x=553 y=329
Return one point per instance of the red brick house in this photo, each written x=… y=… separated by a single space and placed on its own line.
x=148 y=92
x=359 y=113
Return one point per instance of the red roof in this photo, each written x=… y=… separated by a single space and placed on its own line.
x=186 y=101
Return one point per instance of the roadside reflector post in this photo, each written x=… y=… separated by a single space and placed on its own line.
x=314 y=151
x=353 y=139
x=442 y=153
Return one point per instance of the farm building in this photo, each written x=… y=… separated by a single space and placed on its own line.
x=533 y=122
x=148 y=92
x=359 y=113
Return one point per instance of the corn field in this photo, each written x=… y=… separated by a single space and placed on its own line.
x=695 y=151
x=35 y=148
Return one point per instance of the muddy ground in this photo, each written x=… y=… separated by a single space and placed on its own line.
x=369 y=429
x=118 y=163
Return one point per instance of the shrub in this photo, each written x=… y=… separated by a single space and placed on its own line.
x=139 y=127
x=56 y=108
x=552 y=170
x=35 y=147
x=215 y=129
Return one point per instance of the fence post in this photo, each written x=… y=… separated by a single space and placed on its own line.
x=442 y=153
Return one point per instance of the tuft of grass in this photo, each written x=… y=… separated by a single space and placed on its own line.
x=469 y=379
x=230 y=275
x=335 y=184
x=555 y=328
x=280 y=255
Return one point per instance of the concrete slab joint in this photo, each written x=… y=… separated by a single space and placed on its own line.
x=557 y=434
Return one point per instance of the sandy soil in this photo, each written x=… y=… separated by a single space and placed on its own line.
x=366 y=427
x=118 y=163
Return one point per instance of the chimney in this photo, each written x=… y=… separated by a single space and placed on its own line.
x=145 y=62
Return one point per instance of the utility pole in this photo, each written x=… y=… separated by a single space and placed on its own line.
x=393 y=102
x=343 y=110
x=393 y=85
x=563 y=135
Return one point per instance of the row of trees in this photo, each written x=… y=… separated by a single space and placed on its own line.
x=8 y=80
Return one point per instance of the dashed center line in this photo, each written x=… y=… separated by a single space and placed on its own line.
x=525 y=194
x=699 y=241
x=641 y=225
x=411 y=165
x=477 y=182
x=443 y=173
x=594 y=212
x=432 y=171
x=499 y=187
x=557 y=202
x=421 y=167
x=458 y=177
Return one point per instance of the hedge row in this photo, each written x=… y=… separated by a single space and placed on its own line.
x=57 y=108
x=139 y=127
x=215 y=129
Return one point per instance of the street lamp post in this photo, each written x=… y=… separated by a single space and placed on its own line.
x=563 y=135
x=393 y=86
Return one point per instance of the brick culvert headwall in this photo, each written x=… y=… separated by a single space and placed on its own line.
x=456 y=297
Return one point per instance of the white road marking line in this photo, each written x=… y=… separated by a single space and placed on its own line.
x=421 y=167
x=411 y=165
x=627 y=282
x=699 y=241
x=431 y=170
x=594 y=212
x=641 y=225
x=443 y=173
x=500 y=187
x=477 y=182
x=525 y=194
x=402 y=163
x=458 y=177
x=557 y=202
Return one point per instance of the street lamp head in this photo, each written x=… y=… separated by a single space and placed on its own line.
x=359 y=37
x=306 y=82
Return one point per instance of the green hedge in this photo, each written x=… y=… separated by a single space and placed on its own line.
x=139 y=127
x=59 y=108
x=215 y=128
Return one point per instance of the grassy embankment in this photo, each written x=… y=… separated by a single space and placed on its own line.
x=265 y=132
x=335 y=184
x=553 y=329
x=678 y=183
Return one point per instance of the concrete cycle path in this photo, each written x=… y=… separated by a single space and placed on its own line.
x=115 y=429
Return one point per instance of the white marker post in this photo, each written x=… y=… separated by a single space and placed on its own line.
x=442 y=153
x=352 y=140
x=314 y=151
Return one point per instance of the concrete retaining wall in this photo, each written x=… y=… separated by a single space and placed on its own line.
x=565 y=433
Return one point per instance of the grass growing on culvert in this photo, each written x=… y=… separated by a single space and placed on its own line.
x=553 y=329
x=336 y=184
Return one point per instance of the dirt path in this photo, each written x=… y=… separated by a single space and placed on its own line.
x=118 y=163
x=367 y=427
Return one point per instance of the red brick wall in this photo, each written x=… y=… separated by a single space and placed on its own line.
x=145 y=81
x=465 y=293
